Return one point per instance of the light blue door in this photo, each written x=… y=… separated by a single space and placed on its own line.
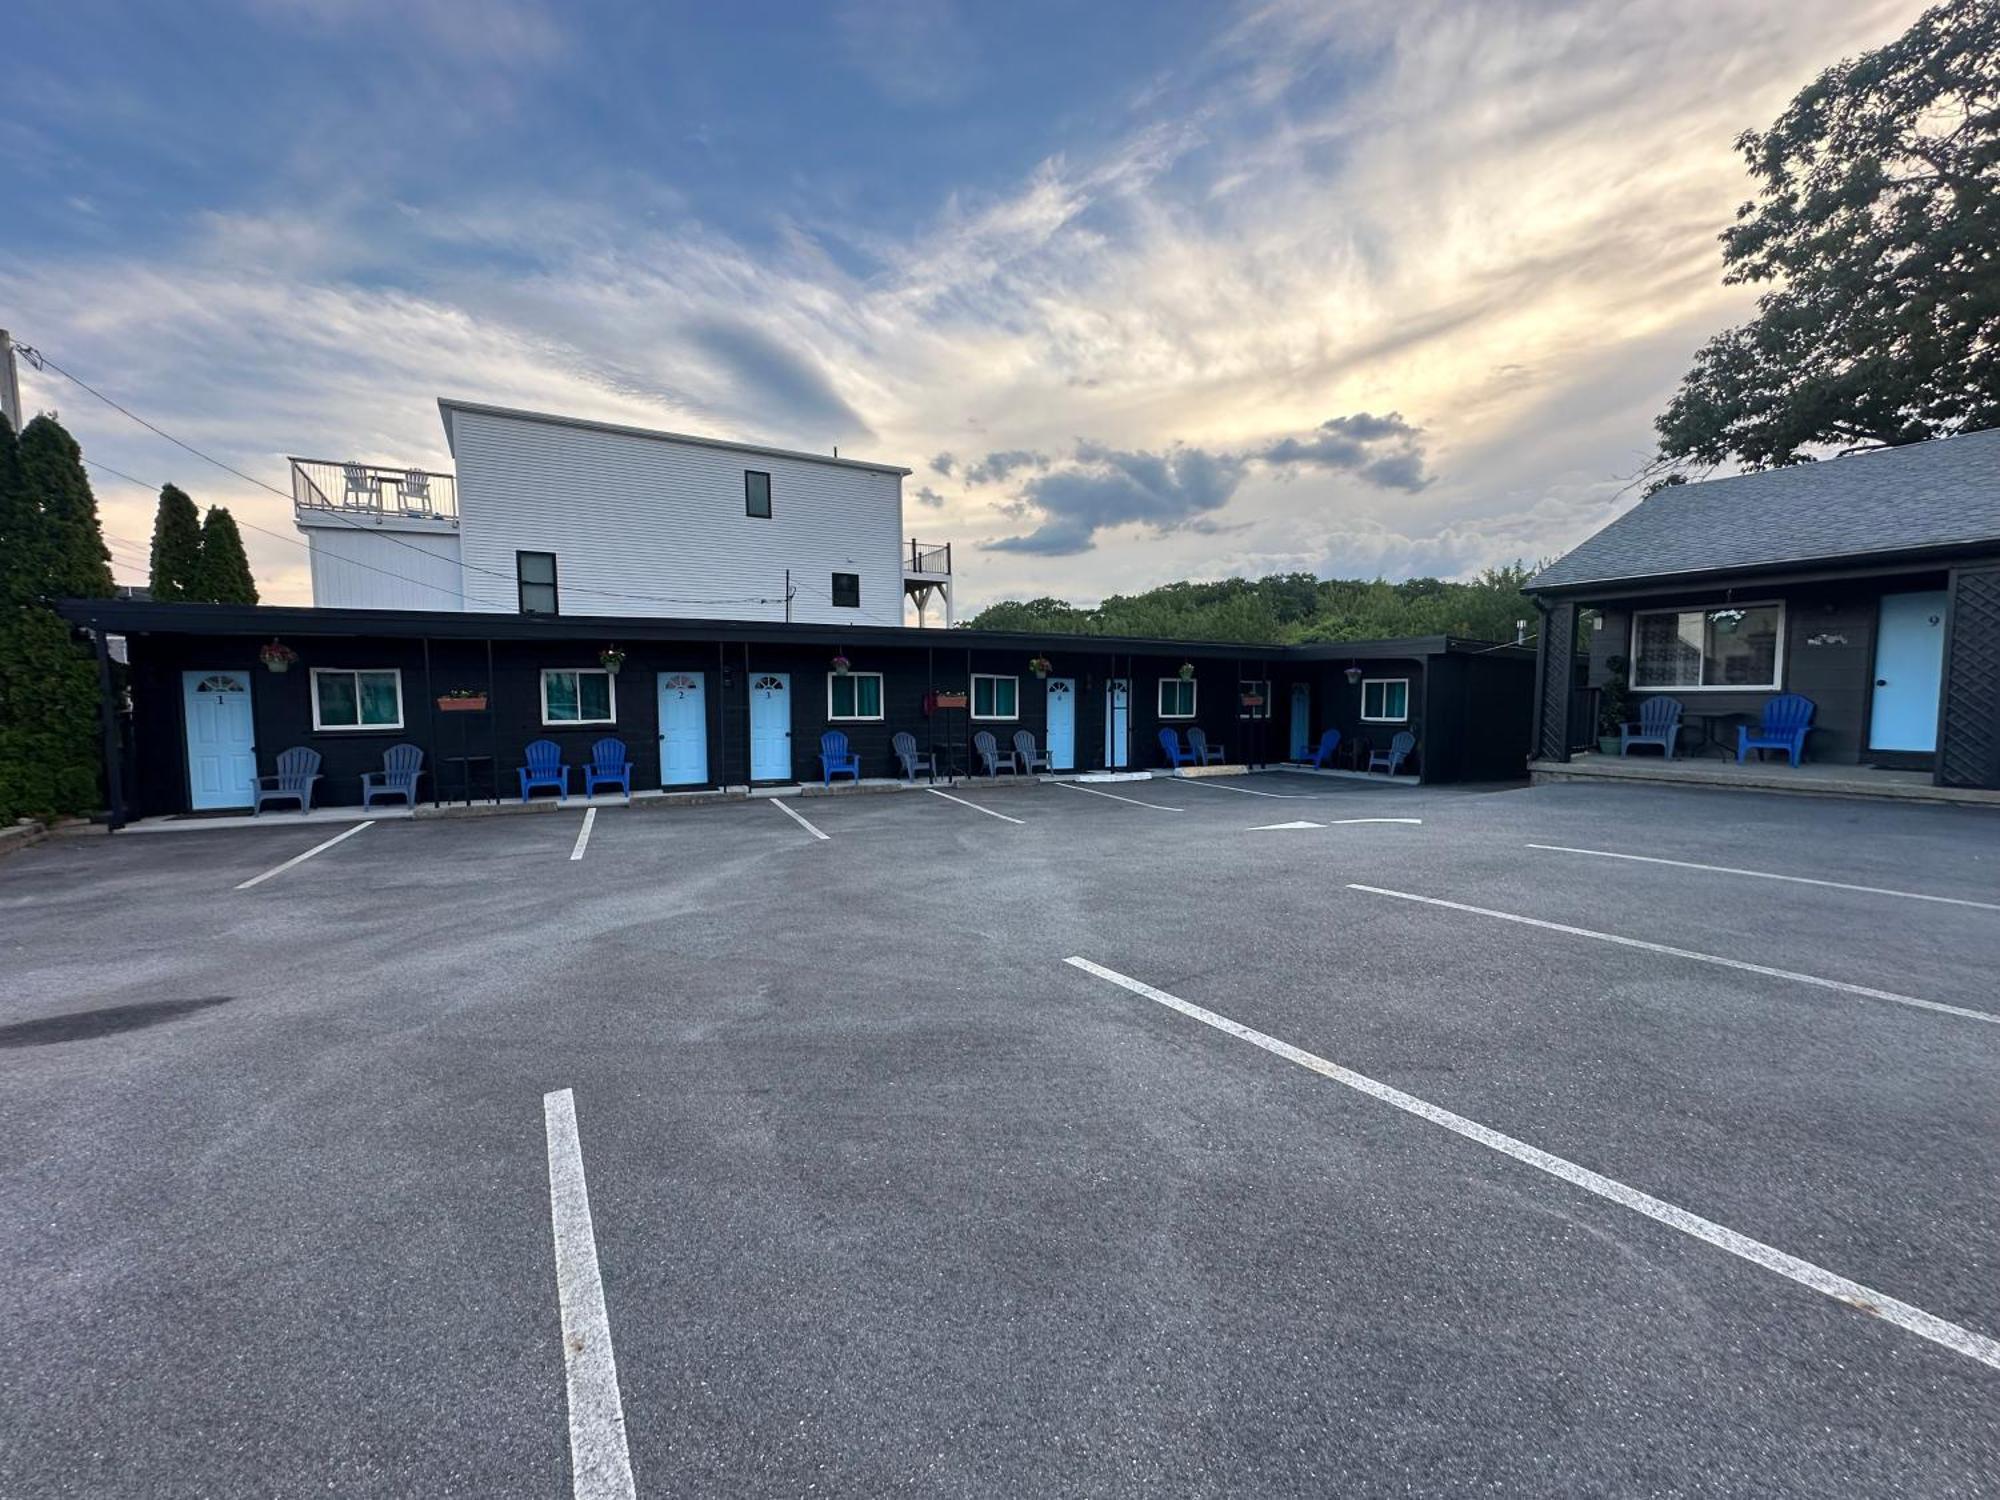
x=1302 y=715
x=683 y=729
x=1062 y=723
x=771 y=726
x=1909 y=669
x=221 y=744
x=1117 y=722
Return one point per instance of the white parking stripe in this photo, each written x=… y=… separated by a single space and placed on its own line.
x=1706 y=958
x=299 y=859
x=778 y=803
x=974 y=806
x=1071 y=786
x=583 y=833
x=1851 y=1293
x=600 y=1464
x=1834 y=885
x=1417 y=821
x=1248 y=791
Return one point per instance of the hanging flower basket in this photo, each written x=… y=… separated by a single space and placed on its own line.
x=611 y=659
x=841 y=665
x=278 y=657
x=1040 y=665
x=1352 y=674
x=1187 y=671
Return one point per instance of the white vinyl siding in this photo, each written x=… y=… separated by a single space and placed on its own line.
x=356 y=698
x=1385 y=700
x=579 y=695
x=854 y=695
x=391 y=566
x=653 y=527
x=996 y=697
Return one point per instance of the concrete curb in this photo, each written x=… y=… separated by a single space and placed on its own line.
x=22 y=835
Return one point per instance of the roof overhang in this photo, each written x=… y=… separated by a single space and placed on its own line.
x=1804 y=570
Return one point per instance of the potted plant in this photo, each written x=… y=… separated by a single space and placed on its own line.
x=1614 y=705
x=841 y=665
x=463 y=701
x=1187 y=670
x=1352 y=673
x=1040 y=665
x=611 y=659
x=278 y=657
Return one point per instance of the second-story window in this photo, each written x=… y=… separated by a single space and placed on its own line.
x=847 y=590
x=757 y=494
x=535 y=573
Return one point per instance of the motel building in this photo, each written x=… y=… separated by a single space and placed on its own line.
x=717 y=608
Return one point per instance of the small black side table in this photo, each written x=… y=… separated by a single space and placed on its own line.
x=469 y=767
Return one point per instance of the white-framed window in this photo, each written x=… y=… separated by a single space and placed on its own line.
x=995 y=697
x=1177 y=697
x=1385 y=700
x=579 y=695
x=357 y=698
x=1253 y=688
x=854 y=695
x=1731 y=648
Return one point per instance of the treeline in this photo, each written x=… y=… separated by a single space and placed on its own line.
x=197 y=560
x=1285 y=609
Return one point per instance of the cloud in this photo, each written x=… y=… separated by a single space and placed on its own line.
x=765 y=368
x=1103 y=487
x=1350 y=443
x=942 y=464
x=928 y=496
x=996 y=467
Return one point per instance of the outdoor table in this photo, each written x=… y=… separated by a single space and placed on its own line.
x=1713 y=726
x=466 y=765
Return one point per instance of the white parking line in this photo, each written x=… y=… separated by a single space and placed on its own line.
x=1706 y=958
x=778 y=803
x=1071 y=786
x=1915 y=1320
x=600 y=1464
x=974 y=806
x=1248 y=791
x=299 y=859
x=1417 y=821
x=1834 y=885
x=583 y=833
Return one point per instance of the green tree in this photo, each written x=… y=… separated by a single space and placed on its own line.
x=176 y=546
x=224 y=574
x=1877 y=228
x=74 y=564
x=49 y=761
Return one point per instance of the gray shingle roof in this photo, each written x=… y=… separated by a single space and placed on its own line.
x=1943 y=493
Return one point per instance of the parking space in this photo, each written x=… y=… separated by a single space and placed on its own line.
x=1290 y=1186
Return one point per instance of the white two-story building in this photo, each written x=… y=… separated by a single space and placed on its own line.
x=557 y=515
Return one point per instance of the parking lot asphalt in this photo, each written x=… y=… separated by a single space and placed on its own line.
x=889 y=1198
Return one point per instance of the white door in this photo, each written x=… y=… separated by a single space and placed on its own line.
x=1062 y=723
x=1909 y=672
x=1117 y=722
x=771 y=726
x=1302 y=733
x=683 y=729
x=221 y=744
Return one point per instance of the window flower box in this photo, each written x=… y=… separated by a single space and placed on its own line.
x=464 y=702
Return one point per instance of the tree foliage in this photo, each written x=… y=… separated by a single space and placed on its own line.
x=1284 y=608
x=176 y=547
x=49 y=547
x=223 y=576
x=1876 y=227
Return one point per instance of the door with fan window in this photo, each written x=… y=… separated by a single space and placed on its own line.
x=771 y=726
x=221 y=739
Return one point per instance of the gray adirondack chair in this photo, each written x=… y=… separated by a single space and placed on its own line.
x=1205 y=754
x=298 y=770
x=910 y=757
x=991 y=755
x=1391 y=760
x=401 y=766
x=1659 y=724
x=1026 y=756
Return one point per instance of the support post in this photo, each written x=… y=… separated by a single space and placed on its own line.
x=1554 y=667
x=114 y=769
x=10 y=382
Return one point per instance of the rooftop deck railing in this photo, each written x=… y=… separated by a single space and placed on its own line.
x=372 y=491
x=926 y=558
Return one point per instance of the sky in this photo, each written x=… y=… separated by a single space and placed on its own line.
x=1141 y=291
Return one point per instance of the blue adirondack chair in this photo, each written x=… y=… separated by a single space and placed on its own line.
x=298 y=769
x=609 y=766
x=835 y=759
x=1787 y=721
x=401 y=766
x=1170 y=741
x=1204 y=753
x=1399 y=750
x=1026 y=756
x=545 y=767
x=1659 y=724
x=992 y=756
x=911 y=758
x=1323 y=752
